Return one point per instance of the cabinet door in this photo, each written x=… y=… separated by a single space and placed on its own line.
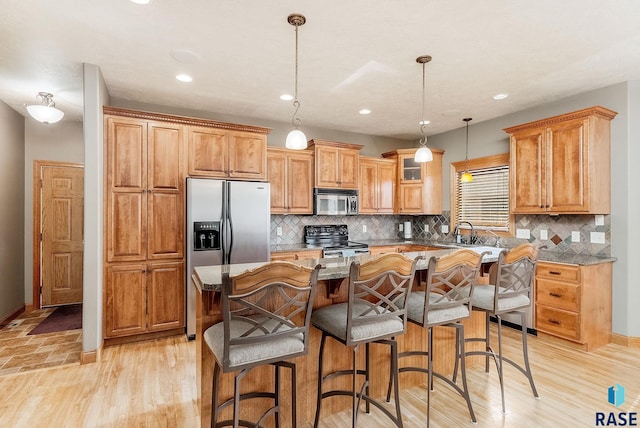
x=327 y=167
x=126 y=174
x=166 y=294
x=300 y=183
x=277 y=176
x=386 y=187
x=528 y=189
x=567 y=167
x=248 y=156
x=348 y=162
x=208 y=152
x=432 y=185
x=368 y=193
x=410 y=199
x=125 y=300
x=165 y=201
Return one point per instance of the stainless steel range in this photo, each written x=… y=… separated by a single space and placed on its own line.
x=334 y=240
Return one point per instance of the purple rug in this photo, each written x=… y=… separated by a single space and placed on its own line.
x=63 y=318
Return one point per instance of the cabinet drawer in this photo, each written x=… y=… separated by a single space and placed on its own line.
x=558 y=272
x=558 y=322
x=558 y=295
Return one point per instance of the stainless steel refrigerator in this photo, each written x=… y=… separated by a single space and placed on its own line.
x=227 y=222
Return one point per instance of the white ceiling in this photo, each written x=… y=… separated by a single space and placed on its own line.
x=353 y=54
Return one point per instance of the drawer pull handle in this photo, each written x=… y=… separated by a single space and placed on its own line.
x=555 y=295
x=554 y=322
x=553 y=272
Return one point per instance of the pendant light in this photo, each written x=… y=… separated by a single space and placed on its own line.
x=45 y=111
x=423 y=154
x=466 y=177
x=296 y=139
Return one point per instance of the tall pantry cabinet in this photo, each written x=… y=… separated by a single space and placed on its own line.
x=144 y=224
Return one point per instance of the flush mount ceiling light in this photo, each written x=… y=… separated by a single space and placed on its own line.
x=286 y=97
x=45 y=111
x=364 y=111
x=466 y=177
x=296 y=139
x=141 y=1
x=500 y=96
x=423 y=154
x=184 y=78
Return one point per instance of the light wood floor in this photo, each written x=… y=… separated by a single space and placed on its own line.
x=152 y=384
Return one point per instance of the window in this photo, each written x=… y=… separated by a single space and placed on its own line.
x=484 y=202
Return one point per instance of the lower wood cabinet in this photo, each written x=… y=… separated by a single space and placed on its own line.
x=296 y=255
x=143 y=297
x=574 y=302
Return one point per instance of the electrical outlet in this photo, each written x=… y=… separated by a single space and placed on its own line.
x=575 y=236
x=523 y=233
x=599 y=220
x=597 y=237
x=544 y=235
x=444 y=228
x=364 y=228
x=279 y=231
x=426 y=227
x=400 y=227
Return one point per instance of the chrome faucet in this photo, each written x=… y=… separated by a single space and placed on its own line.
x=497 y=243
x=459 y=238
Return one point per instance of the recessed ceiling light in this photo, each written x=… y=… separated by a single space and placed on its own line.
x=184 y=77
x=500 y=96
x=364 y=111
x=424 y=122
x=286 y=97
x=141 y=1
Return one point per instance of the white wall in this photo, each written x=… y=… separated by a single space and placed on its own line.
x=61 y=142
x=12 y=221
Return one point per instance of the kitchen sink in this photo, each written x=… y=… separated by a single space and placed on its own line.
x=494 y=252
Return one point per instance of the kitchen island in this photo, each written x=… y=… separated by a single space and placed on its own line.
x=331 y=288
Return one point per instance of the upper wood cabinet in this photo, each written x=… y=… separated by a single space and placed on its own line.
x=561 y=165
x=377 y=185
x=144 y=189
x=222 y=153
x=419 y=185
x=336 y=164
x=290 y=173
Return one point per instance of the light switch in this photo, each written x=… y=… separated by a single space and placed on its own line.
x=279 y=231
x=364 y=228
x=523 y=233
x=599 y=220
x=444 y=228
x=597 y=237
x=575 y=236
x=426 y=227
x=400 y=227
x=544 y=235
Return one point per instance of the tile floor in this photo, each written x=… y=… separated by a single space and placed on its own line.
x=20 y=352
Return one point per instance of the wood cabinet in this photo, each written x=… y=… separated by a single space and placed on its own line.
x=401 y=248
x=419 y=185
x=336 y=164
x=377 y=185
x=561 y=165
x=220 y=153
x=296 y=255
x=574 y=302
x=290 y=173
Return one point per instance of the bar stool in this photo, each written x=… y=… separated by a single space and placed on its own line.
x=514 y=280
x=266 y=314
x=374 y=313
x=445 y=302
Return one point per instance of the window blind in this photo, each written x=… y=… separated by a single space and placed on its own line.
x=484 y=202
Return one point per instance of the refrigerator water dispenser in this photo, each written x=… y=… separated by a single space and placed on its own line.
x=206 y=235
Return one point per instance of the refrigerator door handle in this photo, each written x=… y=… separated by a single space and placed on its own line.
x=229 y=229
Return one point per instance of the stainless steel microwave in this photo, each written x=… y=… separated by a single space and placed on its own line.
x=335 y=201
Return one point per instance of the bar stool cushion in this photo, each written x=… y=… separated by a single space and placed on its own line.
x=484 y=295
x=333 y=320
x=252 y=352
x=415 y=309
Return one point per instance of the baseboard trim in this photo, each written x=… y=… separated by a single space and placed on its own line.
x=629 y=342
x=90 y=357
x=29 y=307
x=13 y=315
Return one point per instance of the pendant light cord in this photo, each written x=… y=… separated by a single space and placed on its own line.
x=423 y=140
x=295 y=120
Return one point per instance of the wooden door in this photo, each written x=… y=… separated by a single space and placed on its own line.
x=300 y=183
x=348 y=162
x=277 y=176
x=527 y=160
x=567 y=167
x=410 y=199
x=248 y=156
x=126 y=172
x=165 y=201
x=327 y=167
x=387 y=173
x=125 y=300
x=368 y=193
x=62 y=234
x=208 y=152
x=165 y=294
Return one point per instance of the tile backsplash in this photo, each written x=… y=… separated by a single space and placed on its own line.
x=558 y=230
